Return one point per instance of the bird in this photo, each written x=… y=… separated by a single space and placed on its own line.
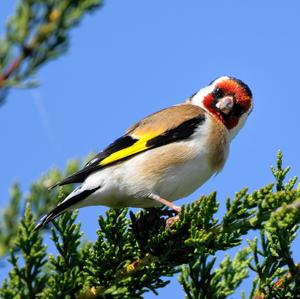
x=165 y=156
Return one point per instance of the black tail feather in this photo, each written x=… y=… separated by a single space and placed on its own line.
x=77 y=177
x=63 y=206
x=45 y=220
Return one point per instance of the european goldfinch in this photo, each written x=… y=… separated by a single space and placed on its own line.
x=165 y=156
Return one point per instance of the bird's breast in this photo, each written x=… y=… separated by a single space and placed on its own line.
x=176 y=170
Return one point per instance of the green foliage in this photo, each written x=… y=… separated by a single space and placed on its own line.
x=129 y=271
x=26 y=281
x=66 y=268
x=8 y=225
x=35 y=34
x=199 y=280
x=133 y=255
x=41 y=201
x=278 y=276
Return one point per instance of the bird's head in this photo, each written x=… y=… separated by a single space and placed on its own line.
x=227 y=99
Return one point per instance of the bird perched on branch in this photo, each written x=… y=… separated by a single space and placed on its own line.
x=165 y=156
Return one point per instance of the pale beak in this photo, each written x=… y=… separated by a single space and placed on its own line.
x=225 y=104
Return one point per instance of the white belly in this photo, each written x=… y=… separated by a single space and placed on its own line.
x=172 y=171
x=127 y=184
x=183 y=180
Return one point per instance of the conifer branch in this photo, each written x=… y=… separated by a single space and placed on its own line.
x=28 y=280
x=131 y=255
x=41 y=200
x=37 y=33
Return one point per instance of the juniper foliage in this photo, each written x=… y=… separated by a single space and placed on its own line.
x=135 y=253
x=37 y=33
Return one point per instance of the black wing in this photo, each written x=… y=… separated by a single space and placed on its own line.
x=181 y=132
x=93 y=164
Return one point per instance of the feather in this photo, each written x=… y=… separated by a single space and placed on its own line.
x=63 y=206
x=166 y=126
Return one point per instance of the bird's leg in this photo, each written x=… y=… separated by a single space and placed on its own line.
x=169 y=204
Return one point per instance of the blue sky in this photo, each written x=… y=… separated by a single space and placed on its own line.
x=132 y=58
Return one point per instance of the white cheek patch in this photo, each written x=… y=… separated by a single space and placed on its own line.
x=197 y=99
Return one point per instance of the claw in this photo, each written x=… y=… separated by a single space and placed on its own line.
x=171 y=221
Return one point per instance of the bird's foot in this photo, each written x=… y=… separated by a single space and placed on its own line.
x=174 y=219
x=171 y=221
x=169 y=204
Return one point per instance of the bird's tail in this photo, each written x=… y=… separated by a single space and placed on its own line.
x=73 y=198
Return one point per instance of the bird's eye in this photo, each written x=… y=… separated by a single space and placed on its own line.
x=217 y=93
x=238 y=110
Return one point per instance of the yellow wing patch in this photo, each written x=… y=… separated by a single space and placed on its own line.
x=137 y=147
x=153 y=126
